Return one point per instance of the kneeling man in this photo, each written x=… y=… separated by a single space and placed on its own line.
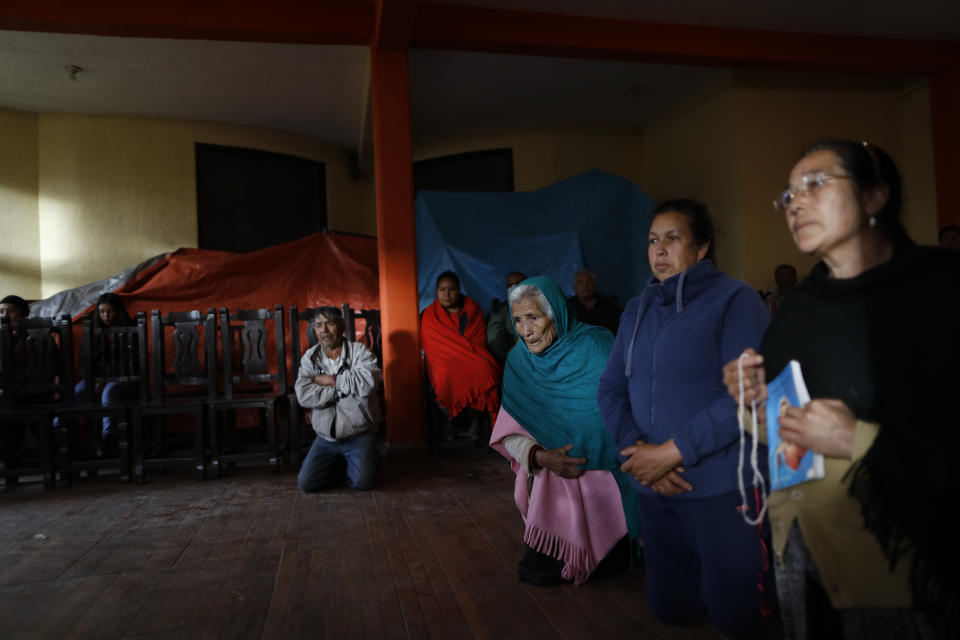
x=338 y=380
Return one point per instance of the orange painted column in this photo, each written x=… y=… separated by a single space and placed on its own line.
x=945 y=120
x=397 y=246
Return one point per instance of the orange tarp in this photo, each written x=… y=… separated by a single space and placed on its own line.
x=322 y=268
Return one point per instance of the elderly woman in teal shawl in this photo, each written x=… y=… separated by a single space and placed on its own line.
x=580 y=505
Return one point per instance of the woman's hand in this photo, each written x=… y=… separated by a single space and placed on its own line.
x=824 y=425
x=672 y=484
x=647 y=463
x=754 y=383
x=557 y=461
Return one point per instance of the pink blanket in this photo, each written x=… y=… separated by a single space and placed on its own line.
x=577 y=521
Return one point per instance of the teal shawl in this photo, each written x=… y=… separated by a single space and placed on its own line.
x=553 y=394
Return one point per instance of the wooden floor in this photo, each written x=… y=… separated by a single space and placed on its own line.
x=431 y=553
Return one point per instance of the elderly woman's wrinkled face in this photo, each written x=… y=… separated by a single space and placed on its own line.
x=448 y=294
x=536 y=329
x=671 y=247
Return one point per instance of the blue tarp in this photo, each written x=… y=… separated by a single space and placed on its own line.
x=594 y=220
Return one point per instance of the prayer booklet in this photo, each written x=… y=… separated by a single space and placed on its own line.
x=789 y=463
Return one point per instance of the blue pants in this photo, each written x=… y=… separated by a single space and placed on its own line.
x=113 y=393
x=326 y=462
x=702 y=558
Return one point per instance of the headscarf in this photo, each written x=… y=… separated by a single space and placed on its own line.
x=553 y=394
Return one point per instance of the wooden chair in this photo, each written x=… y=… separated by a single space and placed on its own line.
x=295 y=416
x=37 y=383
x=372 y=338
x=115 y=355
x=185 y=384
x=372 y=330
x=250 y=381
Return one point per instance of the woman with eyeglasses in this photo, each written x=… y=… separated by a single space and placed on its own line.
x=865 y=551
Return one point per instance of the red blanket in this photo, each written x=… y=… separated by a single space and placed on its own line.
x=461 y=370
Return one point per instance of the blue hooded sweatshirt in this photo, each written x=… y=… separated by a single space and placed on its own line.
x=664 y=378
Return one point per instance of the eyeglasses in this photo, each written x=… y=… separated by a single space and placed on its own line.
x=809 y=185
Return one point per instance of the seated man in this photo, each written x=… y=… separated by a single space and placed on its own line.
x=14 y=308
x=463 y=373
x=338 y=381
x=590 y=306
x=500 y=334
x=12 y=436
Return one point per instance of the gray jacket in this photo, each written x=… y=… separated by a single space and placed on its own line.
x=353 y=401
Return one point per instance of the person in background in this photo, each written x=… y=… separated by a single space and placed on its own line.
x=500 y=333
x=463 y=373
x=785 y=277
x=589 y=306
x=338 y=382
x=950 y=237
x=663 y=401
x=14 y=307
x=867 y=551
x=110 y=312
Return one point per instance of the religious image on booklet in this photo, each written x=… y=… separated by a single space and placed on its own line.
x=789 y=463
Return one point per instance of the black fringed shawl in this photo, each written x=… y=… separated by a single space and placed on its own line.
x=886 y=343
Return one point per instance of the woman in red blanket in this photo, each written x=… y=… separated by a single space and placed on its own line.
x=463 y=373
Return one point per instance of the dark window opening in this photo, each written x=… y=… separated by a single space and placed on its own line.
x=475 y=171
x=249 y=199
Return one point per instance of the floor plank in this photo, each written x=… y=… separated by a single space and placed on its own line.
x=431 y=553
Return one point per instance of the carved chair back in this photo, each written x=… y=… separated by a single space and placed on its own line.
x=36 y=357
x=245 y=347
x=372 y=333
x=114 y=354
x=184 y=354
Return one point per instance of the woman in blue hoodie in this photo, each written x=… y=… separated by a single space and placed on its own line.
x=663 y=400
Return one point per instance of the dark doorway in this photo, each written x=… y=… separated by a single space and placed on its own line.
x=475 y=171
x=249 y=199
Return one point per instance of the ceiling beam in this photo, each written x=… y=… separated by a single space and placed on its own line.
x=397 y=23
x=506 y=31
x=341 y=22
x=394 y=20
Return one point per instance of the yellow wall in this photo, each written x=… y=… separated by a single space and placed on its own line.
x=773 y=127
x=915 y=161
x=731 y=145
x=114 y=191
x=82 y=197
x=19 y=221
x=542 y=157
x=691 y=153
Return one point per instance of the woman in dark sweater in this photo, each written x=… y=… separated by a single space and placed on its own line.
x=873 y=328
